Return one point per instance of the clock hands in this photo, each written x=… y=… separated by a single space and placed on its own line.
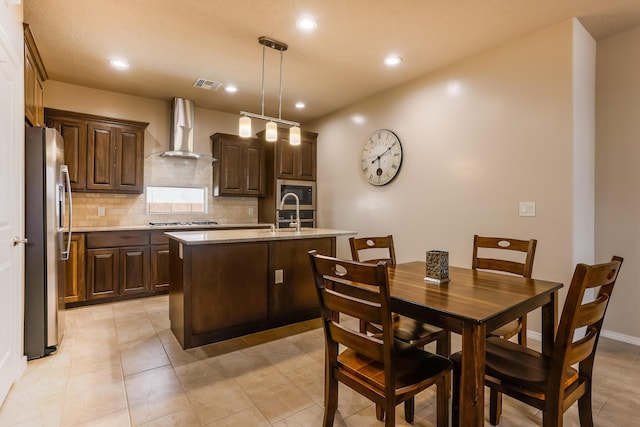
x=383 y=153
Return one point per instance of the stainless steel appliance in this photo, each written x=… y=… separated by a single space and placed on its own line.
x=46 y=179
x=286 y=209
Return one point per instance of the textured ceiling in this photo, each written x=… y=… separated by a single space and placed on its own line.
x=171 y=43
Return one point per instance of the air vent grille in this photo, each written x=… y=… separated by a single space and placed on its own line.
x=207 y=84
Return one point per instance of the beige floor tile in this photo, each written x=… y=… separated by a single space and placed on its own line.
x=184 y=418
x=154 y=394
x=115 y=419
x=143 y=355
x=248 y=417
x=93 y=395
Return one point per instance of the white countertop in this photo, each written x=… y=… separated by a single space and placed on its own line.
x=235 y=236
x=167 y=227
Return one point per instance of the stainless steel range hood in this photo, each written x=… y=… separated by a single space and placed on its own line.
x=182 y=128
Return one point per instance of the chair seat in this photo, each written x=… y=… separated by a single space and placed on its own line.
x=416 y=333
x=507 y=331
x=518 y=365
x=412 y=366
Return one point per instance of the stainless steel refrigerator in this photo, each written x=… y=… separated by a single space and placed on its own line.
x=47 y=205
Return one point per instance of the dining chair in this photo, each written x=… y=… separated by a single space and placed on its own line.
x=405 y=329
x=492 y=246
x=550 y=383
x=384 y=370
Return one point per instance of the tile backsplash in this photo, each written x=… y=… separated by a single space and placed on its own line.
x=130 y=209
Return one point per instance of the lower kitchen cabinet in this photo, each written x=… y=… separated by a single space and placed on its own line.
x=75 y=286
x=159 y=267
x=117 y=272
x=292 y=292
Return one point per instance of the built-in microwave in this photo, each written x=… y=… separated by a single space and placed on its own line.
x=305 y=190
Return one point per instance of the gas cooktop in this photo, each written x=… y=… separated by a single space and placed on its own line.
x=182 y=223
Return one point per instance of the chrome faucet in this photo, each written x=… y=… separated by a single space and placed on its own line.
x=297 y=223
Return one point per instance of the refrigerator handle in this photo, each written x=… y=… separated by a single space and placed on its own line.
x=65 y=170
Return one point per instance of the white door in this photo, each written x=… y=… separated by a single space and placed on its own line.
x=12 y=361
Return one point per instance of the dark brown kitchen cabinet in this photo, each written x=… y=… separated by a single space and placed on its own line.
x=104 y=155
x=75 y=288
x=297 y=161
x=241 y=166
x=159 y=267
x=74 y=135
x=34 y=75
x=117 y=264
x=292 y=291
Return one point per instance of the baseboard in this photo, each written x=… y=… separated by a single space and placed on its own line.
x=607 y=334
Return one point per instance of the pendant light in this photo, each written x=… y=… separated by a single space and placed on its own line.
x=271 y=129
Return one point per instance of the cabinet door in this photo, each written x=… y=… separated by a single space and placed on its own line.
x=296 y=292
x=74 y=135
x=297 y=161
x=101 y=157
x=159 y=267
x=29 y=88
x=134 y=270
x=102 y=273
x=75 y=289
x=241 y=166
x=129 y=160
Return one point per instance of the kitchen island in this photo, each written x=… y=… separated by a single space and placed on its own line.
x=229 y=283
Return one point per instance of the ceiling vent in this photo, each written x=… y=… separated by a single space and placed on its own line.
x=207 y=84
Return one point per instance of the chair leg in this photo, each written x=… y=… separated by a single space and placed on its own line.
x=584 y=408
x=455 y=397
x=379 y=412
x=522 y=336
x=442 y=400
x=390 y=413
x=409 y=410
x=495 y=407
x=330 y=401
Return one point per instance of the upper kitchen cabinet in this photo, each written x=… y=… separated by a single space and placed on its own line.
x=34 y=75
x=103 y=154
x=297 y=161
x=241 y=166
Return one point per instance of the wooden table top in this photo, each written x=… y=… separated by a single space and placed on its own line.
x=470 y=296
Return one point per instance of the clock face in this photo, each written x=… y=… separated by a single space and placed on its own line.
x=381 y=157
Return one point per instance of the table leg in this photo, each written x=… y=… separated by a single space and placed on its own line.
x=472 y=375
x=549 y=324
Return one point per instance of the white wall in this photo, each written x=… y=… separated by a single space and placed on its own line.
x=478 y=136
x=618 y=175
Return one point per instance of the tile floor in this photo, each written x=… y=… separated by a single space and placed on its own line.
x=119 y=365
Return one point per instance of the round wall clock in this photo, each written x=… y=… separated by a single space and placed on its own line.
x=381 y=157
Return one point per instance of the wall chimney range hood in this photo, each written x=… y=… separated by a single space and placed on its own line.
x=182 y=128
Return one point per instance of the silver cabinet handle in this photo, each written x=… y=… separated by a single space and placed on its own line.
x=17 y=240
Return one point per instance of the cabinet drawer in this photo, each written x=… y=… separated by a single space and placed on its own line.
x=114 y=239
x=159 y=238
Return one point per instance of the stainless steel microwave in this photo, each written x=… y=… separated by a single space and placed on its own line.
x=305 y=190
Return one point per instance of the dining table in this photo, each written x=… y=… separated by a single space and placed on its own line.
x=472 y=303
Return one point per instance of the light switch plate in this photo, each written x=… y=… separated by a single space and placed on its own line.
x=527 y=209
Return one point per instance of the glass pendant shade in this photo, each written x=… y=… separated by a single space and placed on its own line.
x=244 y=127
x=294 y=135
x=271 y=132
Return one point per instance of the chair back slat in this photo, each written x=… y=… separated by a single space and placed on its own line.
x=371 y=245
x=527 y=247
x=365 y=344
x=359 y=290
x=352 y=306
x=571 y=347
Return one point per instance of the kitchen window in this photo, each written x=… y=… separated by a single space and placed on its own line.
x=171 y=200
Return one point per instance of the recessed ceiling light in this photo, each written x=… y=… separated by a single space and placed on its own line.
x=231 y=88
x=119 y=64
x=300 y=105
x=392 y=60
x=307 y=24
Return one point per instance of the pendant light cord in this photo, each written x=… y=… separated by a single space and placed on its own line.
x=263 y=56
x=280 y=107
